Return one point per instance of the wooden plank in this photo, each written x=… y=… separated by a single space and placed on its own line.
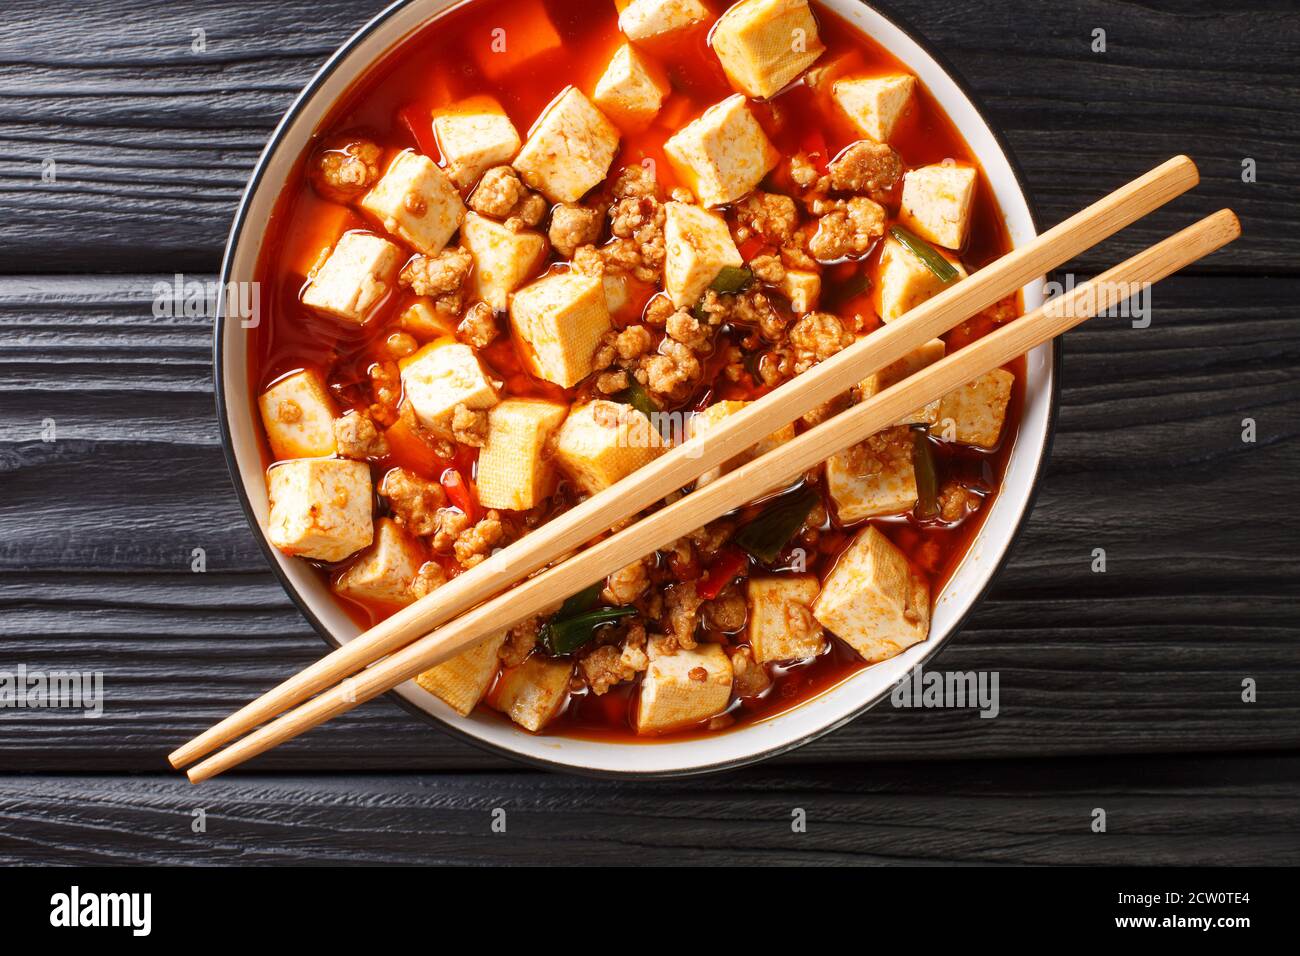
x=158 y=140
x=98 y=530
x=1160 y=810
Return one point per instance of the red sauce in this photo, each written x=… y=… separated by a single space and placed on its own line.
x=447 y=61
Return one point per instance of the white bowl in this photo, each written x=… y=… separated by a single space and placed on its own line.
x=747 y=743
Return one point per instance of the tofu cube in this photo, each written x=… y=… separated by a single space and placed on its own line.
x=974 y=414
x=682 y=687
x=425 y=322
x=503 y=259
x=562 y=318
x=385 y=570
x=803 y=288
x=534 y=693
x=905 y=282
x=698 y=246
x=937 y=202
x=298 y=415
x=764 y=44
x=513 y=472
x=441 y=376
x=874 y=600
x=602 y=442
x=873 y=478
x=514 y=36
x=569 y=148
x=617 y=294
x=358 y=276
x=722 y=155
x=462 y=681
x=474 y=135
x=875 y=104
x=908 y=365
x=781 y=625
x=416 y=202
x=701 y=422
x=320 y=507
x=632 y=89
x=648 y=20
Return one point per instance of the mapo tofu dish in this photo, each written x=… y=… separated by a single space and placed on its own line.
x=543 y=242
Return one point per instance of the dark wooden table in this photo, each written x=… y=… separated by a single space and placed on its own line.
x=1120 y=690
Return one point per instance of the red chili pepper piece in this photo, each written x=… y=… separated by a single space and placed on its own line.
x=751 y=247
x=726 y=567
x=461 y=493
x=419 y=120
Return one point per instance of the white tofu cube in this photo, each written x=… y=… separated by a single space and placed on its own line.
x=385 y=570
x=503 y=259
x=416 y=202
x=764 y=44
x=701 y=422
x=781 y=625
x=298 y=415
x=874 y=600
x=462 y=681
x=617 y=295
x=649 y=20
x=975 y=413
x=320 y=507
x=803 y=288
x=724 y=154
x=425 y=322
x=905 y=281
x=698 y=246
x=513 y=472
x=602 y=442
x=516 y=35
x=562 y=318
x=534 y=693
x=356 y=278
x=873 y=478
x=895 y=372
x=632 y=89
x=875 y=104
x=681 y=688
x=441 y=376
x=569 y=148
x=937 y=202
x=474 y=135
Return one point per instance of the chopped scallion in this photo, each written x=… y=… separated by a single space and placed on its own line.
x=767 y=535
x=944 y=270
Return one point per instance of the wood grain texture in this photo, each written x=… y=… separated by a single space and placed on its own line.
x=152 y=145
x=1200 y=592
x=1224 y=811
x=153 y=142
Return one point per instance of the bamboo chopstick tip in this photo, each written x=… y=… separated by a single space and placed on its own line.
x=1231 y=221
x=1188 y=166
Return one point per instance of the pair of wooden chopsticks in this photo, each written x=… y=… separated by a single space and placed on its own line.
x=472 y=607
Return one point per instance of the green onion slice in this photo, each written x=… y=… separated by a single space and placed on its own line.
x=927 y=477
x=767 y=535
x=636 y=396
x=564 y=635
x=929 y=256
x=732 y=279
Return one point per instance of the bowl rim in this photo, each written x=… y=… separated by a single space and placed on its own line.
x=299 y=104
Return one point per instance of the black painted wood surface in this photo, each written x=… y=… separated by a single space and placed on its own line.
x=152 y=144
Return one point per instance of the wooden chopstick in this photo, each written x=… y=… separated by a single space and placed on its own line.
x=717 y=498
x=731 y=436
